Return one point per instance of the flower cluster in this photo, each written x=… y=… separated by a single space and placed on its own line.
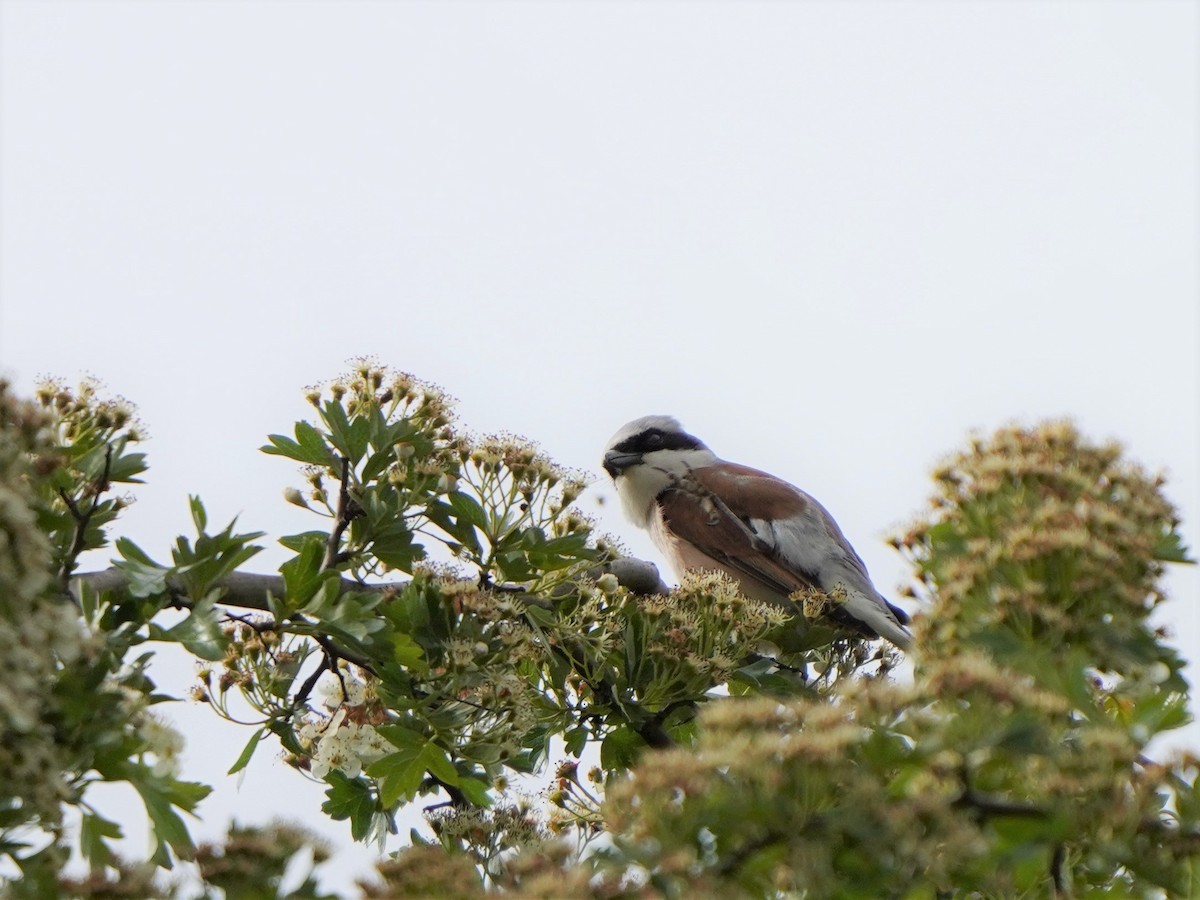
x=369 y=384
x=82 y=411
x=344 y=739
x=40 y=633
x=887 y=788
x=528 y=533
x=253 y=860
x=488 y=835
x=484 y=667
x=259 y=661
x=425 y=870
x=1038 y=533
x=408 y=419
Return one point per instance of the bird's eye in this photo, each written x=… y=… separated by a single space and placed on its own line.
x=654 y=440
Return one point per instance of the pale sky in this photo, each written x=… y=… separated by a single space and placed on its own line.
x=832 y=237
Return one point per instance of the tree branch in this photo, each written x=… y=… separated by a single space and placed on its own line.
x=342 y=516
x=985 y=807
x=249 y=590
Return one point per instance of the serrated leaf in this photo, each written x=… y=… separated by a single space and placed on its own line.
x=439 y=765
x=476 y=791
x=309 y=447
x=200 y=632
x=576 y=740
x=283 y=446
x=469 y=509
x=620 y=748
x=444 y=516
x=168 y=826
x=349 y=438
x=301 y=574
x=93 y=831
x=125 y=466
x=399 y=774
x=184 y=794
x=89 y=601
x=146 y=578
x=401 y=737
x=1170 y=548
x=296 y=542
x=350 y=798
x=312 y=443
x=408 y=652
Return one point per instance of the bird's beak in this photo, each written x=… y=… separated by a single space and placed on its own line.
x=615 y=463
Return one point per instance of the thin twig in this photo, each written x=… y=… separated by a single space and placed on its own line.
x=340 y=653
x=306 y=689
x=457 y=798
x=1058 y=875
x=342 y=519
x=83 y=519
x=259 y=628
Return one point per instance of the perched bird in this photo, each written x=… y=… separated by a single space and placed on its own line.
x=705 y=513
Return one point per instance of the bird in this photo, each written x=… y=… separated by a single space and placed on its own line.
x=772 y=538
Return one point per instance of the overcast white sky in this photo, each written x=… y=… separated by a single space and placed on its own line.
x=832 y=237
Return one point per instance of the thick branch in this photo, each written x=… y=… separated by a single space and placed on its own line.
x=250 y=590
x=985 y=807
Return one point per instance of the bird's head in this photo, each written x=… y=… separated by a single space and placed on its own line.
x=646 y=457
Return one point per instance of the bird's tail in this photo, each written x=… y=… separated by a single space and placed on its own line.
x=885 y=620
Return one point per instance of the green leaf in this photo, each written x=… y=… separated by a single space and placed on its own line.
x=402 y=738
x=1170 y=548
x=350 y=438
x=1162 y=711
x=125 y=466
x=408 y=652
x=283 y=446
x=200 y=632
x=310 y=447
x=89 y=601
x=576 y=740
x=213 y=557
x=312 y=442
x=439 y=765
x=475 y=790
x=296 y=542
x=468 y=508
x=400 y=774
x=184 y=794
x=446 y=517
x=199 y=517
x=168 y=826
x=93 y=830
x=302 y=573
x=243 y=759
x=350 y=798
x=620 y=748
x=146 y=577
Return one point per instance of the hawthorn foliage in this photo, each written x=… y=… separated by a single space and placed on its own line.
x=451 y=626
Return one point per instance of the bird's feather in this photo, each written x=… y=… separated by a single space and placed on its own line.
x=772 y=537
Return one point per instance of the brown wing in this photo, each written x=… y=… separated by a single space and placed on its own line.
x=713 y=508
